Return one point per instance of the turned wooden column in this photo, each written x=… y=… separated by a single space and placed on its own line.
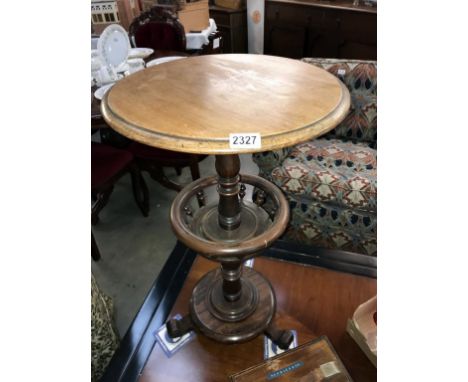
x=227 y=168
x=229 y=212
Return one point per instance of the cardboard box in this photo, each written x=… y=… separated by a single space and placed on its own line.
x=195 y=16
x=363 y=328
x=146 y=5
x=230 y=4
x=128 y=10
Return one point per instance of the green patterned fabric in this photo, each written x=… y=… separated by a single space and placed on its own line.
x=361 y=79
x=104 y=338
x=331 y=186
x=268 y=160
x=331 y=182
x=323 y=225
x=331 y=171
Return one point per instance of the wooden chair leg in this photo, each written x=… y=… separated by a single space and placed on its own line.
x=95 y=254
x=102 y=197
x=157 y=173
x=140 y=190
x=194 y=169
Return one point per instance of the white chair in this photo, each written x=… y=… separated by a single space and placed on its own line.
x=94 y=41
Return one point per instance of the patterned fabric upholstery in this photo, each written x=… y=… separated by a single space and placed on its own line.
x=331 y=182
x=268 y=160
x=104 y=338
x=331 y=171
x=361 y=79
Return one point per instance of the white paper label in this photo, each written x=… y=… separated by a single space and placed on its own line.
x=245 y=141
x=341 y=72
x=249 y=263
x=216 y=43
x=329 y=369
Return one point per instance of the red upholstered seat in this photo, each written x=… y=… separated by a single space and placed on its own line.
x=106 y=162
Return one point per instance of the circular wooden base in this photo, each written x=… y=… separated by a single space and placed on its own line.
x=236 y=321
x=235 y=310
x=253 y=221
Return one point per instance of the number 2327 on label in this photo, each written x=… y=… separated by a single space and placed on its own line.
x=245 y=141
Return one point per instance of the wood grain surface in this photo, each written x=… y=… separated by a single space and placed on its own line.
x=192 y=105
x=311 y=300
x=313 y=355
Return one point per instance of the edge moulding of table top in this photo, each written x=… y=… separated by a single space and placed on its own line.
x=193 y=105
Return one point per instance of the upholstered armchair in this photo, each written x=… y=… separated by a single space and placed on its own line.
x=108 y=165
x=331 y=182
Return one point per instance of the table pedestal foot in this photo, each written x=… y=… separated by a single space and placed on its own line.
x=281 y=338
x=177 y=328
x=226 y=321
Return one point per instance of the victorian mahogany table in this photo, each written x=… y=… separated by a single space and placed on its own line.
x=194 y=105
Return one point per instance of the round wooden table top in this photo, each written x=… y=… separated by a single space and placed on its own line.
x=194 y=104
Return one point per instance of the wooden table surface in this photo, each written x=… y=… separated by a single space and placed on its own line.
x=97 y=121
x=311 y=300
x=193 y=105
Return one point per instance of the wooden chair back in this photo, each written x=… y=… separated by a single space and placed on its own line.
x=158 y=29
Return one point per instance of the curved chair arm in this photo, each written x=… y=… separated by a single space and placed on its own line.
x=268 y=160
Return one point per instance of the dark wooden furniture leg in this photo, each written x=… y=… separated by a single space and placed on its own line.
x=102 y=193
x=95 y=254
x=194 y=168
x=282 y=338
x=102 y=197
x=177 y=328
x=157 y=173
x=140 y=190
x=154 y=161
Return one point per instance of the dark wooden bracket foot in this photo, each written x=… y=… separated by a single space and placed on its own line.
x=177 y=328
x=95 y=254
x=281 y=338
